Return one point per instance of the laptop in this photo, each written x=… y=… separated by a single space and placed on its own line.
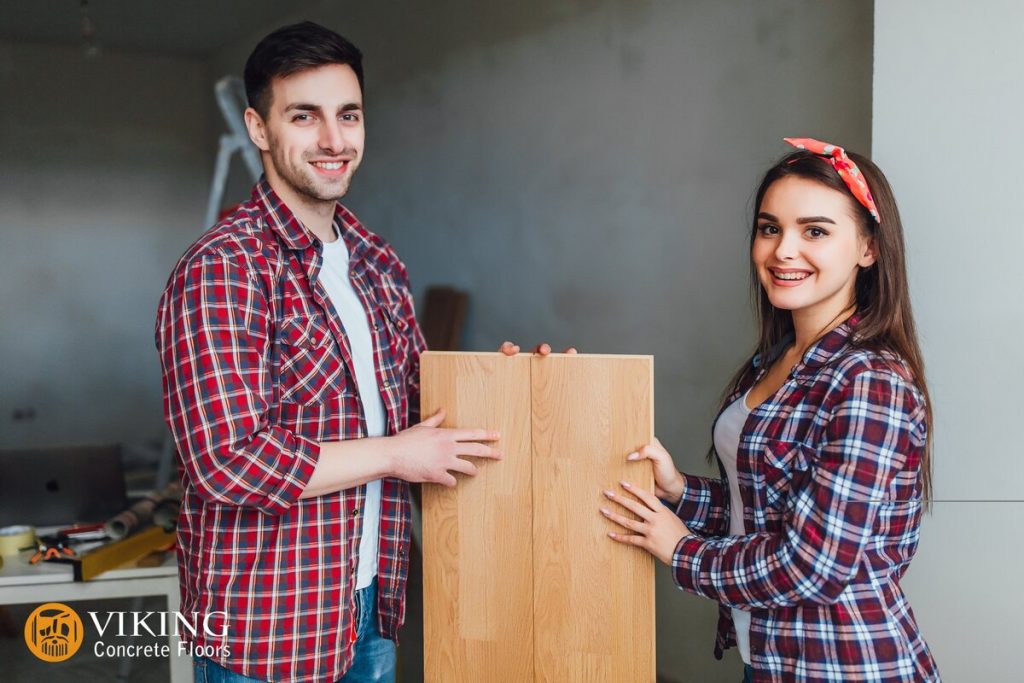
x=58 y=486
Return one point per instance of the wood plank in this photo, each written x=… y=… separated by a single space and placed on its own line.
x=593 y=598
x=477 y=538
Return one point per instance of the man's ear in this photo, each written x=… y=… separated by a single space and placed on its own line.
x=257 y=129
x=867 y=259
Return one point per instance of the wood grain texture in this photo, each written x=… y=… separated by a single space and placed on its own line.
x=593 y=598
x=521 y=582
x=477 y=538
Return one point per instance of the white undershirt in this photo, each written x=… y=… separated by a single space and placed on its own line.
x=335 y=278
x=727 y=443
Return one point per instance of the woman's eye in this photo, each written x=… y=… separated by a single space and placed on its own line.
x=768 y=229
x=816 y=232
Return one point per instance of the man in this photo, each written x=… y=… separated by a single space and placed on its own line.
x=290 y=356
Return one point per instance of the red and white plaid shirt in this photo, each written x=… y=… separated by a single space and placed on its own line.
x=828 y=471
x=257 y=371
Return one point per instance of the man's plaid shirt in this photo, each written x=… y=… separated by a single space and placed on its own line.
x=257 y=371
x=828 y=470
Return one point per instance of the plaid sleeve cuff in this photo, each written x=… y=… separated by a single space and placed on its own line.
x=304 y=457
x=686 y=564
x=704 y=505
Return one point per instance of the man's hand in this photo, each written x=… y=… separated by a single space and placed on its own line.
x=658 y=531
x=510 y=349
x=428 y=453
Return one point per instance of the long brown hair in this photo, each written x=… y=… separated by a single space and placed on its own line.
x=882 y=294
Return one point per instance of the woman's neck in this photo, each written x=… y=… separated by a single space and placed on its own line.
x=810 y=326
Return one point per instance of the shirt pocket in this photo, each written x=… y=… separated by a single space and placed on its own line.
x=396 y=329
x=310 y=367
x=785 y=467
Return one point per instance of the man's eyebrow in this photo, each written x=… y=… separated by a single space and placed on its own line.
x=304 y=106
x=764 y=215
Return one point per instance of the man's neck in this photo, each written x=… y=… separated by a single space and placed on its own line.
x=316 y=215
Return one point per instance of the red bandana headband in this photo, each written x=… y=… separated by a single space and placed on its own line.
x=844 y=166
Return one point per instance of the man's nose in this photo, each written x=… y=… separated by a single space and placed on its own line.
x=332 y=138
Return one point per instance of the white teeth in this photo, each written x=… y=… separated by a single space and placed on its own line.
x=790 y=276
x=329 y=165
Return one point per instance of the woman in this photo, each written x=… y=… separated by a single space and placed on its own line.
x=822 y=442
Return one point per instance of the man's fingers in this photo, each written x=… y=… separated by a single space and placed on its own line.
x=543 y=349
x=463 y=466
x=447 y=480
x=434 y=420
x=571 y=351
x=475 y=435
x=479 y=450
x=508 y=348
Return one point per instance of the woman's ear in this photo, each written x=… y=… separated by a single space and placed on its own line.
x=867 y=258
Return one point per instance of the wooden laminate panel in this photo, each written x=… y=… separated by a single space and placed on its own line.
x=477 y=538
x=521 y=582
x=593 y=598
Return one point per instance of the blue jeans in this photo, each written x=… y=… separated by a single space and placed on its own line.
x=748 y=674
x=373 y=662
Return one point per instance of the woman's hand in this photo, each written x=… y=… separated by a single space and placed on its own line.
x=669 y=483
x=510 y=349
x=658 y=531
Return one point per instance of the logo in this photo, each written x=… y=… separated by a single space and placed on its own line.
x=53 y=632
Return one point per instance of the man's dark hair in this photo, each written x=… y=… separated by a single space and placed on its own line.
x=291 y=49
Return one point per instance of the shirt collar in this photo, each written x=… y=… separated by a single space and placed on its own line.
x=280 y=218
x=826 y=348
x=294 y=234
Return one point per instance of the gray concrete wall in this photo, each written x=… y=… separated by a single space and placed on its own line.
x=585 y=170
x=104 y=165
x=947 y=112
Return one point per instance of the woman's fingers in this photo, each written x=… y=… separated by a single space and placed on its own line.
x=625 y=522
x=651 y=502
x=633 y=506
x=629 y=539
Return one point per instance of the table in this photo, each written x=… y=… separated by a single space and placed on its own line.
x=21 y=583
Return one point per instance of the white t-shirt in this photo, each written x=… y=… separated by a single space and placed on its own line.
x=334 y=276
x=727 y=443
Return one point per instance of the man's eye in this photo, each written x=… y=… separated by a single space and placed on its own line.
x=350 y=117
x=302 y=117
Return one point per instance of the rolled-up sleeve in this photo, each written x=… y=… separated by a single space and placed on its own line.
x=213 y=335
x=704 y=505
x=877 y=420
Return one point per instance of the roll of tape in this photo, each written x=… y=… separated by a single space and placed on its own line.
x=16 y=538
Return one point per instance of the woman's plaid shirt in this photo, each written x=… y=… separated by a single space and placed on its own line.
x=257 y=371
x=828 y=470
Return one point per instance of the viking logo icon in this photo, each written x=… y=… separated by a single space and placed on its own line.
x=53 y=632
